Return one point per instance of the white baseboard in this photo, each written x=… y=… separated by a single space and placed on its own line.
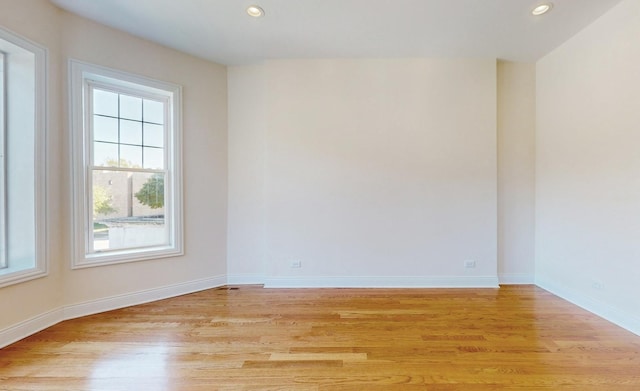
x=141 y=297
x=516 y=279
x=382 y=282
x=31 y=326
x=245 y=279
x=626 y=320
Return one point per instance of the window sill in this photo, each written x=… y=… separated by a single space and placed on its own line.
x=17 y=277
x=126 y=256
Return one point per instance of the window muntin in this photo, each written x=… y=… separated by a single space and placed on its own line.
x=22 y=159
x=126 y=167
x=127 y=130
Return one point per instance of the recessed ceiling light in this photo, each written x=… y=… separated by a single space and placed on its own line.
x=542 y=9
x=255 y=11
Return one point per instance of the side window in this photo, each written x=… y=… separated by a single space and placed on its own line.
x=127 y=204
x=22 y=159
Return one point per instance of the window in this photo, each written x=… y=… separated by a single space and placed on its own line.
x=127 y=193
x=22 y=159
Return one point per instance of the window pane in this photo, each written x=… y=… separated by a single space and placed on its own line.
x=130 y=107
x=153 y=111
x=130 y=132
x=128 y=210
x=130 y=156
x=153 y=135
x=105 y=129
x=105 y=103
x=153 y=158
x=105 y=154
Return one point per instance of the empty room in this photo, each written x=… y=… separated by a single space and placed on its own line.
x=319 y=195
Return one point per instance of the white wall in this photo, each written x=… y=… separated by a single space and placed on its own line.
x=516 y=171
x=247 y=137
x=588 y=167
x=26 y=307
x=378 y=172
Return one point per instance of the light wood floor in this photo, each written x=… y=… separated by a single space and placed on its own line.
x=514 y=338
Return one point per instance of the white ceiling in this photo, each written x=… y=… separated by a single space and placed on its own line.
x=221 y=31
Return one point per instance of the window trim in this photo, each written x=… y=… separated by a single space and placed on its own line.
x=4 y=264
x=41 y=58
x=81 y=73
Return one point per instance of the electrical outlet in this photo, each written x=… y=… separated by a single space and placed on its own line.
x=597 y=285
x=469 y=264
x=296 y=264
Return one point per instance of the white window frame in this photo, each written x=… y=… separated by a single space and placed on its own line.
x=4 y=264
x=81 y=76
x=38 y=266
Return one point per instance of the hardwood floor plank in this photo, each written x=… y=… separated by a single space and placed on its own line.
x=318 y=356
